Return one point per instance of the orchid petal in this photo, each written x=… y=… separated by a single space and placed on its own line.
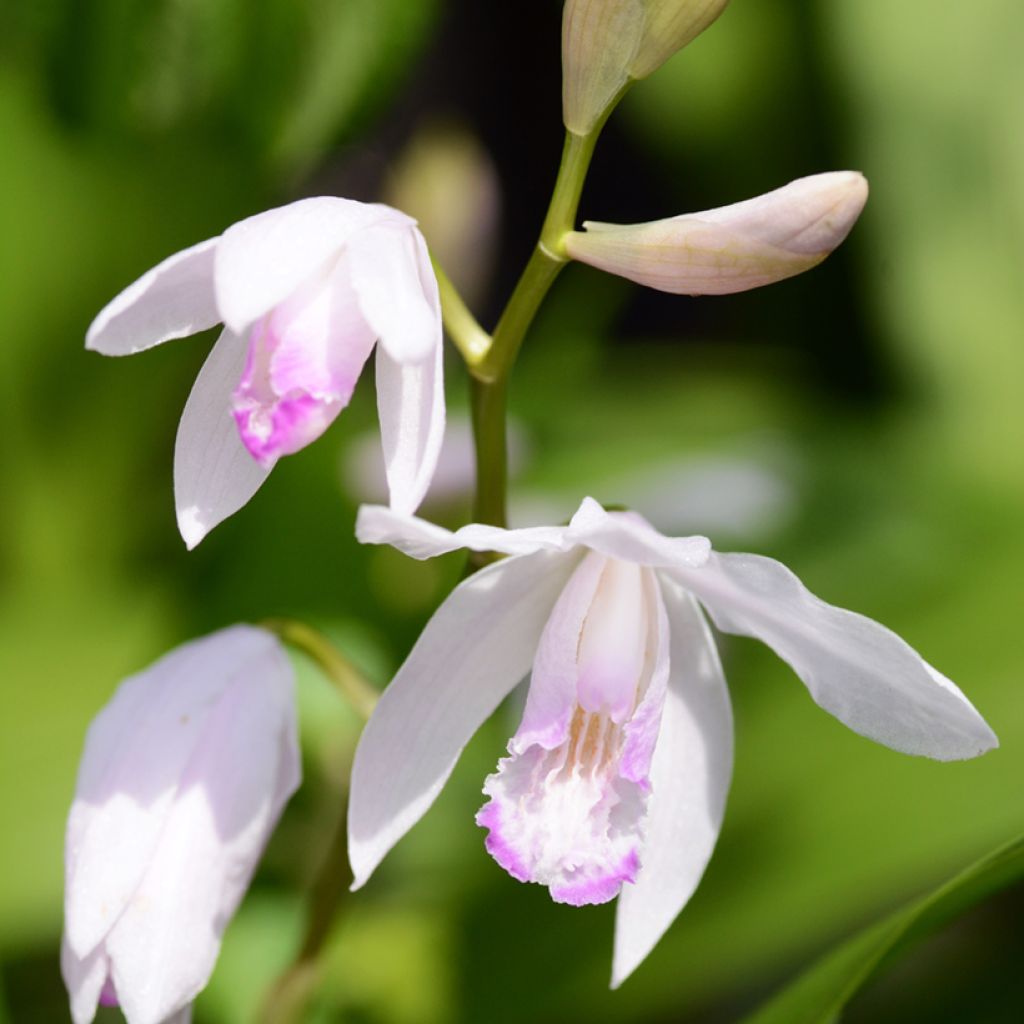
x=398 y=291
x=470 y=655
x=410 y=404
x=214 y=474
x=260 y=261
x=732 y=248
x=855 y=668
x=551 y=698
x=84 y=978
x=418 y=538
x=172 y=300
x=629 y=537
x=239 y=775
x=690 y=776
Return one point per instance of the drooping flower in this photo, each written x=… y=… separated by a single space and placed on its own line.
x=606 y=44
x=733 y=248
x=304 y=293
x=182 y=780
x=617 y=776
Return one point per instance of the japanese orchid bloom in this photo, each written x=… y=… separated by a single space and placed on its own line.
x=304 y=292
x=184 y=775
x=617 y=776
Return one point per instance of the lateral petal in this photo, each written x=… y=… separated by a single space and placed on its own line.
x=397 y=290
x=172 y=300
x=476 y=648
x=855 y=668
x=410 y=404
x=261 y=260
x=214 y=474
x=690 y=776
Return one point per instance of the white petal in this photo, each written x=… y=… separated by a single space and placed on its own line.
x=397 y=290
x=855 y=668
x=135 y=754
x=629 y=537
x=214 y=474
x=376 y=524
x=263 y=259
x=476 y=648
x=84 y=979
x=410 y=403
x=239 y=773
x=690 y=778
x=173 y=299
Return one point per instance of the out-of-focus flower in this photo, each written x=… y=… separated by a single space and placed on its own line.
x=304 y=292
x=448 y=182
x=455 y=474
x=184 y=775
x=620 y=767
x=608 y=43
x=733 y=248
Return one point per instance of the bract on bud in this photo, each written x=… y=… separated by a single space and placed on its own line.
x=182 y=780
x=733 y=248
x=607 y=43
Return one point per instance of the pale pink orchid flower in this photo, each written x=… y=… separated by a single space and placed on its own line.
x=616 y=779
x=184 y=775
x=304 y=292
x=732 y=248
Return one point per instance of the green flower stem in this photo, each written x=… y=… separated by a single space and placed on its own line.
x=490 y=372
x=347 y=679
x=466 y=334
x=288 y=1000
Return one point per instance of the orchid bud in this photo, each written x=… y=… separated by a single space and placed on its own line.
x=733 y=248
x=608 y=43
x=184 y=775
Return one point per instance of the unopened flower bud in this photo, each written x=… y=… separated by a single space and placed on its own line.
x=184 y=775
x=607 y=43
x=733 y=248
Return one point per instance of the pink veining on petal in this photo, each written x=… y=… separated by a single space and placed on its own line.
x=302 y=364
x=567 y=808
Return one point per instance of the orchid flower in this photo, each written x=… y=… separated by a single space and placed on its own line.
x=617 y=776
x=304 y=292
x=184 y=775
x=733 y=248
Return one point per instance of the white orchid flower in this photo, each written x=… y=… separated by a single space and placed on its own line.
x=184 y=775
x=619 y=770
x=304 y=292
x=733 y=248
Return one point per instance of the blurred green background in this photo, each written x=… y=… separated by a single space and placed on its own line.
x=863 y=423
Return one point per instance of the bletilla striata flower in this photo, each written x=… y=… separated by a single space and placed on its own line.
x=619 y=770
x=304 y=292
x=606 y=44
x=733 y=248
x=184 y=775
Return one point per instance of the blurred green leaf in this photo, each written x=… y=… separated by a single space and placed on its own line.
x=818 y=995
